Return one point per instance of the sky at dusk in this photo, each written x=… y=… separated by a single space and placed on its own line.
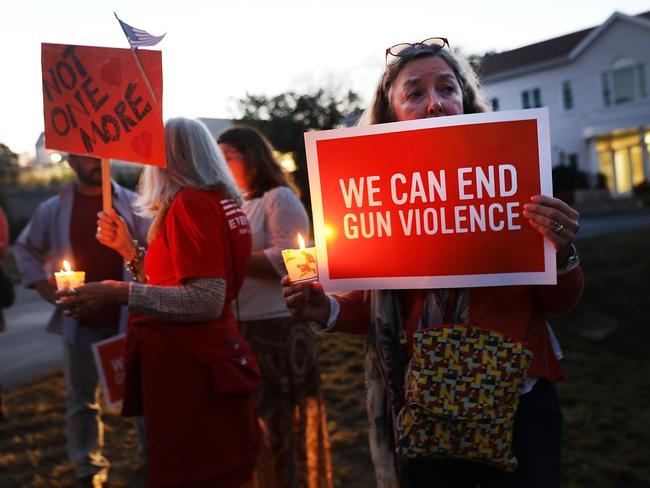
x=217 y=51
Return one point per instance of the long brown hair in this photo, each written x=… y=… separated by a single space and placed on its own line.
x=259 y=160
x=380 y=110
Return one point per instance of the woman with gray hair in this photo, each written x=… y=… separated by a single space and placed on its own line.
x=422 y=80
x=187 y=368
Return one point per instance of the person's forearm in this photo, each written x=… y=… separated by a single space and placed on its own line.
x=564 y=296
x=198 y=301
x=354 y=314
x=46 y=290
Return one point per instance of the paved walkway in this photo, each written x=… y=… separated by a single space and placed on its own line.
x=27 y=351
x=607 y=224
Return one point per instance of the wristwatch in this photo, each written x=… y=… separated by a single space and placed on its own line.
x=572 y=262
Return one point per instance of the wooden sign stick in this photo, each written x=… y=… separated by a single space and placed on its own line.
x=107 y=202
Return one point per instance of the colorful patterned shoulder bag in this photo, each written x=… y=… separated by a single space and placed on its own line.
x=462 y=389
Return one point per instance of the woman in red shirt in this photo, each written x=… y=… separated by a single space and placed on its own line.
x=187 y=368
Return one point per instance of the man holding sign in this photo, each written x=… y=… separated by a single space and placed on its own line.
x=405 y=224
x=64 y=228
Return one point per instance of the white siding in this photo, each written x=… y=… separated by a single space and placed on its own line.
x=571 y=131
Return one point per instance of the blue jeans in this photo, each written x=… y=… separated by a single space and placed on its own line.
x=536 y=443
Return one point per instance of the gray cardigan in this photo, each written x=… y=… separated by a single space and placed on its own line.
x=47 y=236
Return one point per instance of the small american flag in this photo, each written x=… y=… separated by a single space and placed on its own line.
x=138 y=37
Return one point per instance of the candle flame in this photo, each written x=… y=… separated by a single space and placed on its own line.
x=301 y=241
x=66 y=266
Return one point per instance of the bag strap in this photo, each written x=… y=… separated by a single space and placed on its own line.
x=452 y=301
x=413 y=318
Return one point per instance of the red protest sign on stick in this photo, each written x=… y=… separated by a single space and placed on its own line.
x=96 y=102
x=431 y=203
x=109 y=359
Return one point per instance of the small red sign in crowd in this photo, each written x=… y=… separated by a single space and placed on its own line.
x=109 y=358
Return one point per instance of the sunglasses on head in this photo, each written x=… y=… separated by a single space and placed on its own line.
x=436 y=43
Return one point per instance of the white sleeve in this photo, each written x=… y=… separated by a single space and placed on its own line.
x=285 y=217
x=335 y=309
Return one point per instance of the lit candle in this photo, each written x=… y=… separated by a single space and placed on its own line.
x=66 y=278
x=301 y=263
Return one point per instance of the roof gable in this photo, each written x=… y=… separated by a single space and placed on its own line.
x=559 y=49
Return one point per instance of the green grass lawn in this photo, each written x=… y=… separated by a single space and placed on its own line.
x=605 y=396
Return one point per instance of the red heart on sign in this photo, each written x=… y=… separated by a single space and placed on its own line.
x=111 y=72
x=142 y=144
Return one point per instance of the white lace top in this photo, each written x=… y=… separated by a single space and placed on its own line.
x=275 y=219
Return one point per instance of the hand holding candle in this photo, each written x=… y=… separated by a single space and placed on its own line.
x=66 y=278
x=301 y=264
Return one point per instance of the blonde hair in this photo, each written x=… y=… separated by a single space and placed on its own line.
x=193 y=161
x=379 y=111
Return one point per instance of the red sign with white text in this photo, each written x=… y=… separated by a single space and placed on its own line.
x=431 y=203
x=96 y=102
x=109 y=359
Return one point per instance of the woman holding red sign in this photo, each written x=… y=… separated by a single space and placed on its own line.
x=422 y=80
x=188 y=370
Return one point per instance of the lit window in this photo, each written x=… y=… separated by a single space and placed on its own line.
x=622 y=171
x=607 y=169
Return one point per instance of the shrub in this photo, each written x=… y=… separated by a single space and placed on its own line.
x=642 y=192
x=566 y=180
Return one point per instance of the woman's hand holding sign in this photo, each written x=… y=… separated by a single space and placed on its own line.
x=113 y=232
x=556 y=221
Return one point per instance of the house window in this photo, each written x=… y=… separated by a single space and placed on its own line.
x=495 y=104
x=641 y=78
x=573 y=160
x=531 y=98
x=606 y=95
x=624 y=83
x=567 y=95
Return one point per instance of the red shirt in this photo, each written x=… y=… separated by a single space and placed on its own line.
x=193 y=433
x=205 y=235
x=89 y=255
x=200 y=230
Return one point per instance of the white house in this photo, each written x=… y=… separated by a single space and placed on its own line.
x=216 y=126
x=595 y=84
x=44 y=156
